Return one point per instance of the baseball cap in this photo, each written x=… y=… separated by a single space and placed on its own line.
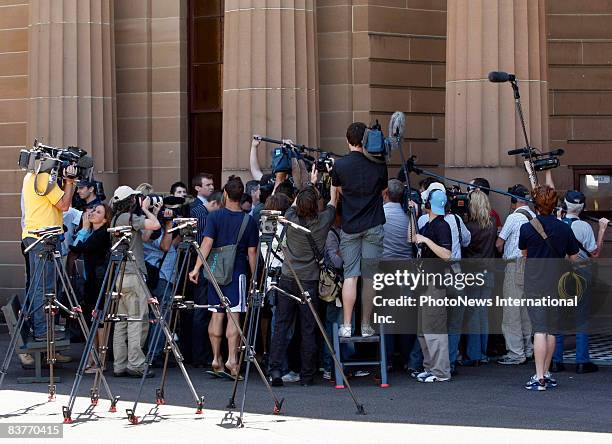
x=575 y=197
x=123 y=192
x=85 y=183
x=437 y=201
x=430 y=188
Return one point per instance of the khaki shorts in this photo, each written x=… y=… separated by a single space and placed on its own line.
x=361 y=252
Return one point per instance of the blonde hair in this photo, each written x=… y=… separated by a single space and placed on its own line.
x=480 y=209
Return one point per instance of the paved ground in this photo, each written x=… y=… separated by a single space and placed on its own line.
x=491 y=396
x=174 y=424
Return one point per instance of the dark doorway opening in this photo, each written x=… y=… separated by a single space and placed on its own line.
x=205 y=77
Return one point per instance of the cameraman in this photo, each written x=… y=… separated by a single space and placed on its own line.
x=360 y=182
x=39 y=212
x=300 y=252
x=129 y=337
x=574 y=202
x=516 y=326
x=86 y=190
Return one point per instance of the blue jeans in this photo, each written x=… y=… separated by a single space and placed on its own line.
x=582 y=323
x=38 y=288
x=478 y=324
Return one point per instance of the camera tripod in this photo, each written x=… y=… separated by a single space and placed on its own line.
x=171 y=306
x=257 y=300
x=191 y=245
x=49 y=238
x=107 y=314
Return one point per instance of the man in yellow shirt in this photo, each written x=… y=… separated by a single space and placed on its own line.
x=38 y=212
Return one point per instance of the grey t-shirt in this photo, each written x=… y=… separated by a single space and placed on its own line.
x=137 y=223
x=299 y=249
x=395 y=242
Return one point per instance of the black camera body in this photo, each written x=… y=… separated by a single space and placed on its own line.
x=458 y=200
x=323 y=162
x=46 y=159
x=541 y=161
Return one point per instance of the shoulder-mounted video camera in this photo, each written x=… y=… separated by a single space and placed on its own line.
x=53 y=160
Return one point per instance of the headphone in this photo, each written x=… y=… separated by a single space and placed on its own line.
x=428 y=204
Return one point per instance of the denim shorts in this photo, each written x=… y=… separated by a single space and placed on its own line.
x=361 y=252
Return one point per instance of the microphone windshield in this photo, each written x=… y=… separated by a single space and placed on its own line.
x=86 y=162
x=397 y=124
x=499 y=76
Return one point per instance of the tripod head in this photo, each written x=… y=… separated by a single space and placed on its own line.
x=124 y=232
x=48 y=236
x=186 y=226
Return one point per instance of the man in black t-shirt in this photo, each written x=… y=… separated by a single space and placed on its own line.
x=436 y=244
x=361 y=182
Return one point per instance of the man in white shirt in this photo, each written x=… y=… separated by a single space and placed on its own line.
x=574 y=202
x=516 y=325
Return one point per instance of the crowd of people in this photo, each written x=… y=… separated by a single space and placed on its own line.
x=362 y=221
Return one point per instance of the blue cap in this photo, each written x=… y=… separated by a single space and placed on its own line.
x=437 y=201
x=575 y=197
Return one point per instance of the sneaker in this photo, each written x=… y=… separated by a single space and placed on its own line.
x=291 y=377
x=549 y=380
x=367 y=331
x=138 y=373
x=508 y=360
x=430 y=377
x=361 y=374
x=27 y=361
x=344 y=331
x=536 y=384
x=422 y=374
x=414 y=373
x=327 y=375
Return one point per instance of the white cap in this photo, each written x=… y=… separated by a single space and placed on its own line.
x=433 y=186
x=123 y=192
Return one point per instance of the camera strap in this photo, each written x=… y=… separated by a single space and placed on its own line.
x=537 y=225
x=315 y=250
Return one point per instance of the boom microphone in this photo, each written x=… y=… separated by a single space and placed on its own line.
x=501 y=77
x=397 y=124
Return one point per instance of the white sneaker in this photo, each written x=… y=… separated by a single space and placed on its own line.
x=367 y=330
x=26 y=359
x=430 y=377
x=291 y=377
x=344 y=331
x=326 y=375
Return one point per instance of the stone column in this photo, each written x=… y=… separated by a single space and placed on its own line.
x=72 y=79
x=270 y=77
x=481 y=121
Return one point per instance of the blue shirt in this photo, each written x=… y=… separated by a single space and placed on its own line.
x=153 y=254
x=542 y=276
x=223 y=226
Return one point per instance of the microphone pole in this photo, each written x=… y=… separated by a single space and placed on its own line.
x=500 y=77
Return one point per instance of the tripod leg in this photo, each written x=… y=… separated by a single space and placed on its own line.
x=113 y=271
x=80 y=317
x=23 y=315
x=307 y=300
x=225 y=303
x=231 y=403
x=166 y=304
